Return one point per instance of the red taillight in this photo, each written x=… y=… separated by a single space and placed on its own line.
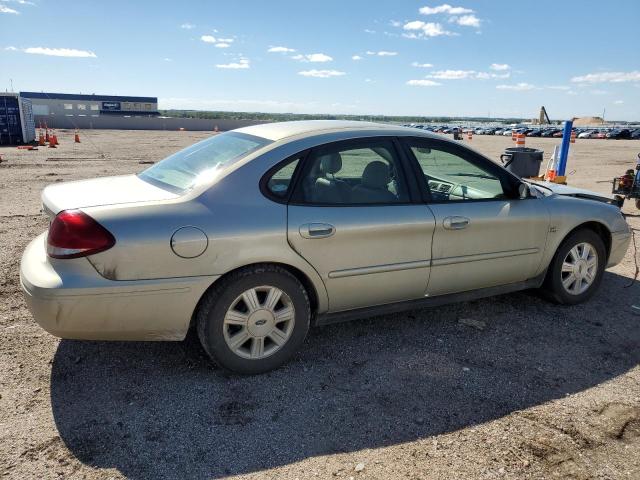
x=74 y=234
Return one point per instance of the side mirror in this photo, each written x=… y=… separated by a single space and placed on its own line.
x=523 y=190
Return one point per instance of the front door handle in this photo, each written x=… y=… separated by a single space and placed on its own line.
x=317 y=230
x=455 y=223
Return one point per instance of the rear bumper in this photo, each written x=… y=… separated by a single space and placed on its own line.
x=69 y=299
x=619 y=245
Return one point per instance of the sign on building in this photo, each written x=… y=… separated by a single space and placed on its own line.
x=111 y=106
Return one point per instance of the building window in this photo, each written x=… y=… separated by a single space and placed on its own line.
x=147 y=106
x=82 y=106
x=68 y=106
x=126 y=106
x=95 y=107
x=137 y=106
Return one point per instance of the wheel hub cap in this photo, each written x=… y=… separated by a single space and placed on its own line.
x=259 y=322
x=579 y=268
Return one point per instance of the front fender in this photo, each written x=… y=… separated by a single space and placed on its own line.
x=568 y=213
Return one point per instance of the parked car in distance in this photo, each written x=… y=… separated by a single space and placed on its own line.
x=550 y=132
x=506 y=133
x=586 y=134
x=619 y=134
x=253 y=235
x=635 y=135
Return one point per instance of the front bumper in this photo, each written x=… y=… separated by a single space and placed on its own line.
x=619 y=245
x=69 y=299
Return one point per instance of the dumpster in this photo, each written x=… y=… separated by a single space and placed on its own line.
x=522 y=161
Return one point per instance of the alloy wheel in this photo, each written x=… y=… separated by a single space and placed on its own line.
x=579 y=268
x=259 y=322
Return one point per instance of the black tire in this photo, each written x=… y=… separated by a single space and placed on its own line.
x=637 y=203
x=216 y=302
x=553 y=287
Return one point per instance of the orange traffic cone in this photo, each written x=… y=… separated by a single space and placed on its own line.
x=76 y=137
x=41 y=139
x=46 y=137
x=54 y=138
x=52 y=143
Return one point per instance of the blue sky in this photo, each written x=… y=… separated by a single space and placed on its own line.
x=498 y=58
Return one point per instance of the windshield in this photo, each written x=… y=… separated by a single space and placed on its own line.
x=202 y=162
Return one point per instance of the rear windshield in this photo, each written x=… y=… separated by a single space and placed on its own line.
x=201 y=162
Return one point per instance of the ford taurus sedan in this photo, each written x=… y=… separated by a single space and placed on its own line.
x=253 y=235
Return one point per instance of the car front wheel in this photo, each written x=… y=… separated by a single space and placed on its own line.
x=577 y=268
x=254 y=320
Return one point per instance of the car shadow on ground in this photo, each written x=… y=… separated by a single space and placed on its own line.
x=161 y=410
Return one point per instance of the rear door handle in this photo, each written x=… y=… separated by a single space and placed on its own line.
x=455 y=223
x=317 y=230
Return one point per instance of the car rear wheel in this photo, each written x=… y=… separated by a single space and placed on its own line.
x=577 y=268
x=254 y=320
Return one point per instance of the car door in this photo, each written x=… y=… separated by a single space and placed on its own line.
x=351 y=216
x=485 y=235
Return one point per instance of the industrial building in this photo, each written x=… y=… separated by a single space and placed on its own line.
x=117 y=112
x=47 y=104
x=17 y=124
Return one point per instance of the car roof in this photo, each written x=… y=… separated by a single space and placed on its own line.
x=307 y=128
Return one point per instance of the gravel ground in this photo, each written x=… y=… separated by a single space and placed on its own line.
x=508 y=387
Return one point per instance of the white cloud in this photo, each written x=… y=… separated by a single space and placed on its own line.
x=280 y=50
x=519 y=87
x=313 y=57
x=11 y=49
x=241 y=64
x=321 y=73
x=208 y=39
x=187 y=26
x=423 y=83
x=466 y=21
x=608 y=77
x=598 y=92
x=421 y=65
x=444 y=8
x=395 y=23
x=499 y=67
x=167 y=59
x=452 y=74
x=222 y=45
x=356 y=57
x=5 y=9
x=559 y=87
x=366 y=30
x=619 y=102
x=60 y=52
x=225 y=40
x=420 y=29
x=382 y=53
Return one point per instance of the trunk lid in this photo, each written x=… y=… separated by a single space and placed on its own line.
x=100 y=191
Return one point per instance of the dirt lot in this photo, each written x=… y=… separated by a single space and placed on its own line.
x=540 y=392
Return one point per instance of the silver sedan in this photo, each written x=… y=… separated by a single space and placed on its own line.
x=253 y=235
